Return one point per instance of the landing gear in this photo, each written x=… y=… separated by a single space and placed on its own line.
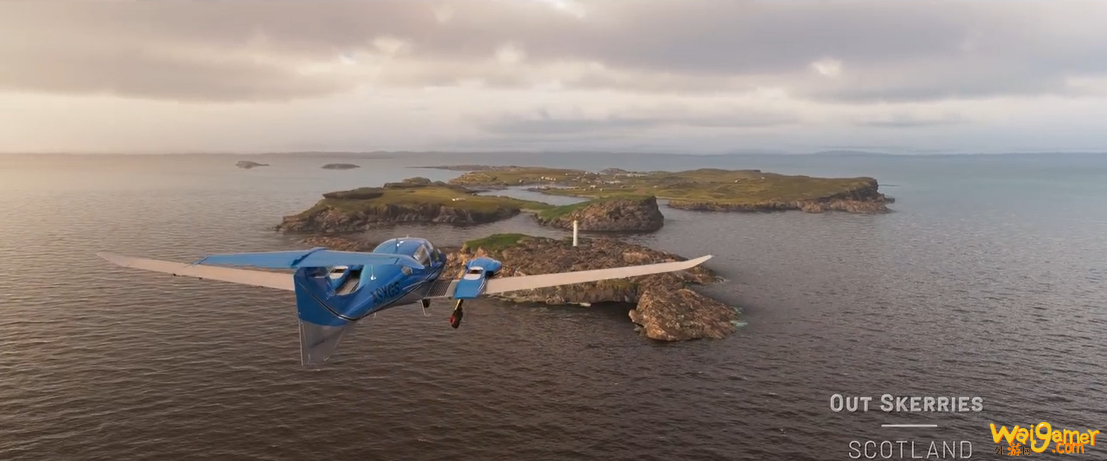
x=455 y=318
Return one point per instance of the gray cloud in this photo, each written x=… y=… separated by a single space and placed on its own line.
x=543 y=124
x=527 y=127
x=911 y=121
x=144 y=73
x=249 y=50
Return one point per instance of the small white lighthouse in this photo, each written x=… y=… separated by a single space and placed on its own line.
x=574 y=232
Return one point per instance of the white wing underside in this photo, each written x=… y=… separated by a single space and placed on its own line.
x=275 y=280
x=283 y=280
x=529 y=282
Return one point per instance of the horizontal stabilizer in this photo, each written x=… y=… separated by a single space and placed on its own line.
x=318 y=342
x=276 y=280
x=315 y=257
x=529 y=282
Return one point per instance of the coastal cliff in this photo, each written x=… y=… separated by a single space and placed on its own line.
x=619 y=214
x=415 y=200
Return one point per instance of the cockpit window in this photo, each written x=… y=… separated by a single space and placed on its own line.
x=421 y=255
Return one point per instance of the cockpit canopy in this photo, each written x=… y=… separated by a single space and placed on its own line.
x=422 y=255
x=420 y=249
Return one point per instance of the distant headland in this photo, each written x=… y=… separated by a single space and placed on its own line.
x=419 y=200
x=620 y=200
x=340 y=166
x=247 y=164
x=705 y=189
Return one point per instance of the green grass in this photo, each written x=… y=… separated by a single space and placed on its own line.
x=712 y=185
x=496 y=242
x=420 y=195
x=522 y=176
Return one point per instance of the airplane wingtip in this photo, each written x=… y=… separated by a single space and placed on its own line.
x=690 y=263
x=110 y=257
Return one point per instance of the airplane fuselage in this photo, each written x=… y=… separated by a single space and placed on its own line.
x=353 y=292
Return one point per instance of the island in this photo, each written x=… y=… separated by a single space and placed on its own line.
x=469 y=167
x=665 y=307
x=340 y=166
x=414 y=200
x=247 y=164
x=705 y=189
x=609 y=214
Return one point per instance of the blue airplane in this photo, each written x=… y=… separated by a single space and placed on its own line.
x=336 y=289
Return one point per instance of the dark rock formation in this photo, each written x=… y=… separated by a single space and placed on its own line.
x=340 y=166
x=631 y=214
x=247 y=164
x=675 y=315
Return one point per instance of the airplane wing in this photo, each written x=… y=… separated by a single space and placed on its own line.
x=315 y=257
x=528 y=282
x=276 y=280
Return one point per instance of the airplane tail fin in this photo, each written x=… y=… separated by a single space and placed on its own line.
x=319 y=342
x=322 y=326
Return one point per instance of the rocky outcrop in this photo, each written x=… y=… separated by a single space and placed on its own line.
x=863 y=200
x=247 y=164
x=675 y=315
x=666 y=309
x=339 y=243
x=329 y=219
x=633 y=214
x=340 y=166
x=418 y=181
x=415 y=200
x=529 y=255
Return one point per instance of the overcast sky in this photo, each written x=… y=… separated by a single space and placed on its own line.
x=672 y=76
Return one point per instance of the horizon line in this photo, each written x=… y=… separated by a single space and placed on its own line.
x=828 y=152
